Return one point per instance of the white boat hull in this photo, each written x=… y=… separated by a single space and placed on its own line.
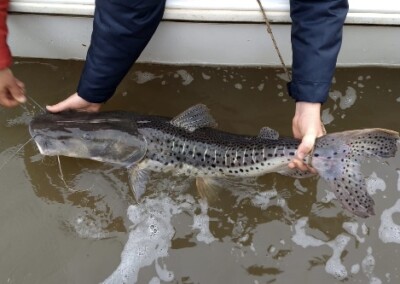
x=197 y=35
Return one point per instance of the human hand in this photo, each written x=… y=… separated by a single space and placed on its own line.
x=307 y=126
x=11 y=89
x=74 y=102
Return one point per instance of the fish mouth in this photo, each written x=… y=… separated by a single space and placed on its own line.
x=105 y=137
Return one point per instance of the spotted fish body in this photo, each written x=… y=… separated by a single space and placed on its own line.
x=209 y=152
x=190 y=145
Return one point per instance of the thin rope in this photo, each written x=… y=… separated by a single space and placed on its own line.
x=269 y=30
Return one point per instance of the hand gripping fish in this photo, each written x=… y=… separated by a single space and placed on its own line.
x=190 y=145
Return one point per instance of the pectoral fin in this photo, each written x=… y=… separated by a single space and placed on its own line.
x=138 y=178
x=207 y=188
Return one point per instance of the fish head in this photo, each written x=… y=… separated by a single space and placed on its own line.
x=110 y=137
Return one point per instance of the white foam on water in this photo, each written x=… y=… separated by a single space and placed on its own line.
x=256 y=193
x=374 y=183
x=185 y=76
x=238 y=86
x=155 y=280
x=205 y=76
x=298 y=186
x=281 y=202
x=149 y=238
x=261 y=87
x=279 y=87
x=364 y=229
x=87 y=228
x=355 y=268
x=388 y=278
x=329 y=197
x=326 y=116
x=389 y=231
x=163 y=273
x=334 y=265
x=301 y=238
x=368 y=266
x=262 y=199
x=348 y=99
x=398 y=180
x=335 y=95
x=360 y=78
x=202 y=223
x=144 y=77
x=352 y=229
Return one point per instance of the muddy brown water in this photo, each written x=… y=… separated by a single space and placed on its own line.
x=82 y=224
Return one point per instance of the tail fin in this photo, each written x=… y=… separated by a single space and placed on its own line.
x=337 y=158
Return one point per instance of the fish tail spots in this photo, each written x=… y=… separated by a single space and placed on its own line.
x=338 y=156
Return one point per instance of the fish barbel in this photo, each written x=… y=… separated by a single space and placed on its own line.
x=190 y=144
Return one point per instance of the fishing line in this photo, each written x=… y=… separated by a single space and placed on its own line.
x=62 y=175
x=13 y=155
x=269 y=30
x=37 y=104
x=25 y=108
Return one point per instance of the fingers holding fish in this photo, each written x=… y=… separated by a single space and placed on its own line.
x=74 y=102
x=307 y=126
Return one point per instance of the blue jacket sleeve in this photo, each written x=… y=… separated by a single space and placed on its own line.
x=121 y=30
x=316 y=39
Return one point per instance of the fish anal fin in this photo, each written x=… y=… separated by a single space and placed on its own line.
x=195 y=117
x=207 y=188
x=268 y=133
x=138 y=178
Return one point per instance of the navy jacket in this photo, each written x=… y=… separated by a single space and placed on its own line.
x=316 y=39
x=122 y=29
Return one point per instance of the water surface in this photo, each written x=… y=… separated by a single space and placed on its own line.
x=82 y=224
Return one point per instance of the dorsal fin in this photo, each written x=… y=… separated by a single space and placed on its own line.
x=195 y=117
x=268 y=133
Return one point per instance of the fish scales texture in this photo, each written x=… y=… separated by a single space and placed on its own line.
x=212 y=152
